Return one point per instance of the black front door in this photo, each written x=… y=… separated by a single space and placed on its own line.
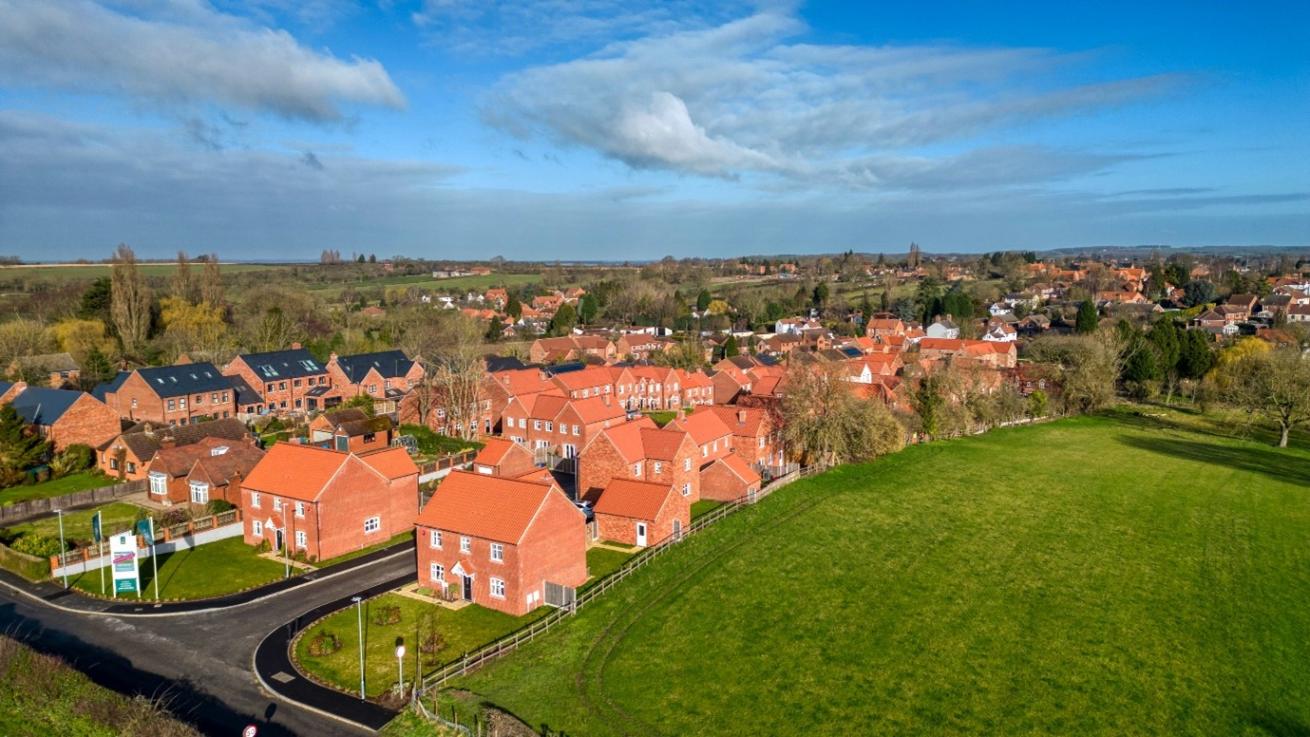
x=468 y=588
x=278 y=539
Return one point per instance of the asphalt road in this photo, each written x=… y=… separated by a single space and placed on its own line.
x=199 y=663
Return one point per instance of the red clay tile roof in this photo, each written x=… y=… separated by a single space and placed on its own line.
x=587 y=378
x=635 y=499
x=661 y=444
x=597 y=409
x=493 y=451
x=704 y=427
x=522 y=381
x=753 y=420
x=740 y=467
x=302 y=471
x=489 y=507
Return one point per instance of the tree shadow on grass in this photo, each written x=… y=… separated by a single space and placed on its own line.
x=1278 y=465
x=1277 y=724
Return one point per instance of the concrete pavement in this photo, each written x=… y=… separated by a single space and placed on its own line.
x=200 y=662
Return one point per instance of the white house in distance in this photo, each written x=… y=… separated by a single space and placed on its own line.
x=943 y=328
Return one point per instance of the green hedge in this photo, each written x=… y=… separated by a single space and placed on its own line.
x=28 y=566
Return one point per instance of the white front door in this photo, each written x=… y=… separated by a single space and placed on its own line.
x=641 y=534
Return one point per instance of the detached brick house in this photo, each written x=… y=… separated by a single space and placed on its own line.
x=729 y=478
x=640 y=451
x=572 y=348
x=127 y=454
x=498 y=542
x=201 y=472
x=350 y=429
x=328 y=503
x=171 y=395
x=387 y=376
x=641 y=513
x=66 y=417
x=756 y=437
x=711 y=434
x=282 y=382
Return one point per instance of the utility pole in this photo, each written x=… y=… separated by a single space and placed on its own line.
x=359 y=615
x=63 y=554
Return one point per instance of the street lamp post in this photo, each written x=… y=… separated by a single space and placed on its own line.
x=63 y=554
x=359 y=612
x=400 y=666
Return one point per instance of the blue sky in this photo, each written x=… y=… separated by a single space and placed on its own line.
x=583 y=129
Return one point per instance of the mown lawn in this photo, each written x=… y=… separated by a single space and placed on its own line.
x=602 y=561
x=118 y=516
x=55 y=487
x=1096 y=576
x=460 y=630
x=203 y=572
x=704 y=506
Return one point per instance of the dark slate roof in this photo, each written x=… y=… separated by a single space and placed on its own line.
x=504 y=363
x=245 y=394
x=390 y=364
x=566 y=368
x=6 y=386
x=145 y=438
x=187 y=378
x=44 y=406
x=110 y=386
x=851 y=351
x=294 y=363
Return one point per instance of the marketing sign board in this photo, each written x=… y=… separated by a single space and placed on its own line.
x=123 y=556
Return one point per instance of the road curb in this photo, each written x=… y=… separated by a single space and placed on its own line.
x=203 y=610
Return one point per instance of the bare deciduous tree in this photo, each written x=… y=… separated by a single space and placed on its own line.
x=130 y=305
x=211 y=283
x=451 y=351
x=824 y=421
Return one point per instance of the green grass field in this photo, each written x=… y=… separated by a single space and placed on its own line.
x=88 y=272
x=603 y=561
x=56 y=487
x=426 y=282
x=213 y=569
x=1094 y=576
x=461 y=630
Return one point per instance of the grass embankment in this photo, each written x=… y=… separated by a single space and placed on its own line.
x=704 y=506
x=118 y=516
x=1094 y=576
x=391 y=618
x=44 y=696
x=210 y=570
x=56 y=487
x=601 y=562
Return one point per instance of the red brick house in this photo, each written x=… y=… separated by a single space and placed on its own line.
x=200 y=472
x=66 y=417
x=502 y=386
x=350 y=429
x=386 y=376
x=657 y=387
x=501 y=457
x=640 y=451
x=729 y=478
x=280 y=382
x=572 y=348
x=327 y=503
x=127 y=454
x=711 y=434
x=183 y=394
x=548 y=423
x=641 y=513
x=756 y=436
x=592 y=381
x=697 y=388
x=498 y=541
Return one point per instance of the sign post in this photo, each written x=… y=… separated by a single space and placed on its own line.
x=97 y=534
x=147 y=529
x=123 y=555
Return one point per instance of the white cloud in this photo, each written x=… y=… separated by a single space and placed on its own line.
x=740 y=98
x=182 y=52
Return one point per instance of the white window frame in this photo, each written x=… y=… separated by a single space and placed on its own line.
x=162 y=486
x=636 y=469
x=436 y=572
x=497 y=587
x=201 y=490
x=277 y=504
x=686 y=464
x=374 y=522
x=254 y=500
x=300 y=509
x=256 y=528
x=497 y=553
x=434 y=539
x=659 y=467
x=302 y=539
x=686 y=488
x=465 y=543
